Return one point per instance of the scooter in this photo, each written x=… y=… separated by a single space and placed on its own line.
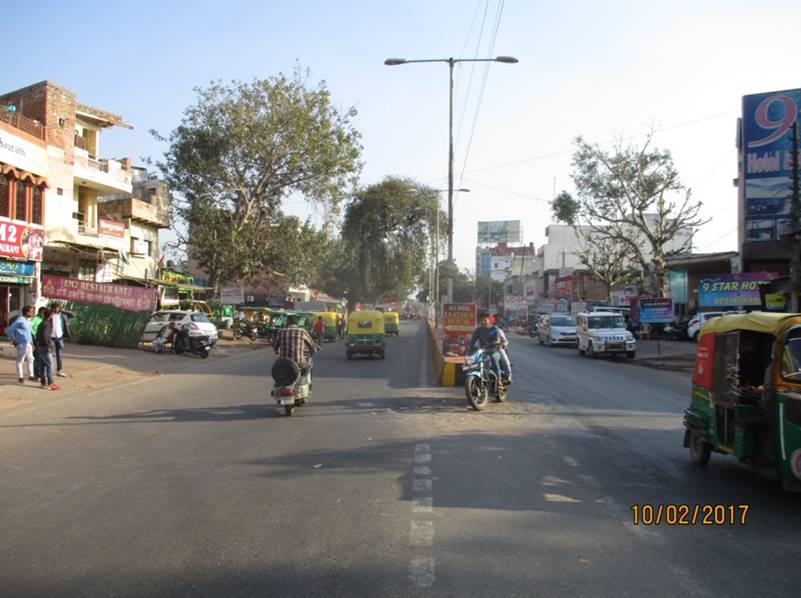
x=480 y=380
x=198 y=345
x=292 y=384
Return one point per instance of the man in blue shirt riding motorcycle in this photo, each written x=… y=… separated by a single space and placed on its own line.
x=487 y=336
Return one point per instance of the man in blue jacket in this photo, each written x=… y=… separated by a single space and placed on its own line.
x=20 y=334
x=487 y=336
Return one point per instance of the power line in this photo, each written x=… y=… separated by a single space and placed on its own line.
x=480 y=184
x=563 y=152
x=472 y=70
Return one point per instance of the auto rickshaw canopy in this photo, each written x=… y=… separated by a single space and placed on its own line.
x=755 y=321
x=391 y=317
x=366 y=322
x=329 y=317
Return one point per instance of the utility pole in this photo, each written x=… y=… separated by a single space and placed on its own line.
x=795 y=219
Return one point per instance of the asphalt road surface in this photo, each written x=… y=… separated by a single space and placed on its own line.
x=195 y=484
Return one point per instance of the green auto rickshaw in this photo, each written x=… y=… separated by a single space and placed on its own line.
x=746 y=394
x=392 y=322
x=365 y=334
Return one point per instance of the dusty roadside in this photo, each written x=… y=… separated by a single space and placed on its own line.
x=90 y=368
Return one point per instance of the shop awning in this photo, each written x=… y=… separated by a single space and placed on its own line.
x=87 y=247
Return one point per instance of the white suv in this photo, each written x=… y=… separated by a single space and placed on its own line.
x=605 y=333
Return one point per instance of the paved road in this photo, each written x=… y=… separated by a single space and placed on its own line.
x=382 y=486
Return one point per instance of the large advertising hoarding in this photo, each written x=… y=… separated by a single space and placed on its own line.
x=500 y=231
x=732 y=290
x=767 y=162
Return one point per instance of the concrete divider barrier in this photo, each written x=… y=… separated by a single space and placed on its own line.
x=447 y=370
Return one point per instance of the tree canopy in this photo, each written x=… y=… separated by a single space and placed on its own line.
x=236 y=156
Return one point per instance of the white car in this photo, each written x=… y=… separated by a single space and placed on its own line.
x=197 y=323
x=698 y=320
x=605 y=333
x=557 y=329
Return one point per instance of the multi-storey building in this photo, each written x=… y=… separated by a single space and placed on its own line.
x=23 y=188
x=79 y=241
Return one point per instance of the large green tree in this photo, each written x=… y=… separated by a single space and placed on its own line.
x=236 y=156
x=385 y=244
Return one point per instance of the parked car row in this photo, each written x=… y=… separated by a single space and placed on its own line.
x=593 y=332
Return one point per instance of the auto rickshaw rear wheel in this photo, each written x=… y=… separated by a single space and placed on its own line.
x=700 y=450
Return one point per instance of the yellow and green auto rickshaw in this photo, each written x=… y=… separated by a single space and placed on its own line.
x=746 y=394
x=330 y=321
x=365 y=334
x=392 y=322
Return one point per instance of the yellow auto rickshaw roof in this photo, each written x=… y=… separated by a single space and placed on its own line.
x=755 y=321
x=391 y=314
x=366 y=315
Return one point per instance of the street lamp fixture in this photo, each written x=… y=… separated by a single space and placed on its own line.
x=450 y=62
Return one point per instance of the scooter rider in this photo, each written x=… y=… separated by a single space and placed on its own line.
x=292 y=341
x=487 y=335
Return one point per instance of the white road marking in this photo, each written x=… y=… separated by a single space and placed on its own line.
x=422 y=458
x=422 y=448
x=570 y=461
x=558 y=498
x=422 y=504
x=421 y=486
x=418 y=470
x=421 y=533
x=421 y=572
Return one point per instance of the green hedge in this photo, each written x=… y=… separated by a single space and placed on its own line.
x=97 y=324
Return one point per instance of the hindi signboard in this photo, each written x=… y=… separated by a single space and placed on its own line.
x=500 y=231
x=458 y=324
x=732 y=290
x=125 y=297
x=110 y=229
x=656 y=311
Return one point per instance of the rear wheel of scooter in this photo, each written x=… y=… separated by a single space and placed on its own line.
x=476 y=395
x=289 y=409
x=204 y=353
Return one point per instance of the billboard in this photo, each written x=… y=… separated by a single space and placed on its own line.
x=500 y=231
x=232 y=295
x=21 y=242
x=128 y=298
x=767 y=162
x=656 y=311
x=732 y=290
x=458 y=324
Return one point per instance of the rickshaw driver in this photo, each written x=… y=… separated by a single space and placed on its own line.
x=293 y=341
x=488 y=335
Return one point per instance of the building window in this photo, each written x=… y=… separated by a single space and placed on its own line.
x=21 y=209
x=5 y=200
x=37 y=216
x=87 y=270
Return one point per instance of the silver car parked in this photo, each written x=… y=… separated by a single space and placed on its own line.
x=557 y=329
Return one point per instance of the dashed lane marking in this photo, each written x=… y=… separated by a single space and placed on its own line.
x=570 y=461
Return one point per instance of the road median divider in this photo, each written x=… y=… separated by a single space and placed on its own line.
x=447 y=369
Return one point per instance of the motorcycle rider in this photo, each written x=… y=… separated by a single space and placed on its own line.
x=292 y=341
x=488 y=335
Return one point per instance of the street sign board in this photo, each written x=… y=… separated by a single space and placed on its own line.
x=732 y=290
x=232 y=295
x=656 y=311
x=458 y=324
x=500 y=231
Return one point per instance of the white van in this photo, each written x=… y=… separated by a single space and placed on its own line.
x=604 y=333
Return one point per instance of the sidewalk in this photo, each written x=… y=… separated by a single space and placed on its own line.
x=668 y=355
x=91 y=368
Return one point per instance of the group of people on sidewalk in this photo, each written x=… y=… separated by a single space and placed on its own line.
x=39 y=341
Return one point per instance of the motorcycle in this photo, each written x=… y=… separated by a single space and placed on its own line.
x=480 y=380
x=292 y=384
x=247 y=330
x=197 y=345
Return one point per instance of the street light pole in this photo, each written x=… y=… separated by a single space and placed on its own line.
x=450 y=62
x=436 y=252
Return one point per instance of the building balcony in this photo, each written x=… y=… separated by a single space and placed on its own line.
x=105 y=176
x=23 y=123
x=131 y=208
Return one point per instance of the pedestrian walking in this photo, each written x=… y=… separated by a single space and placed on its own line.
x=37 y=361
x=60 y=333
x=44 y=344
x=20 y=334
x=319 y=330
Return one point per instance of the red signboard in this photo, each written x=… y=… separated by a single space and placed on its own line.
x=122 y=296
x=109 y=228
x=21 y=241
x=458 y=324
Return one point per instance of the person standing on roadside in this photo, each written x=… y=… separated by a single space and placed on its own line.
x=61 y=331
x=319 y=330
x=44 y=344
x=37 y=362
x=20 y=334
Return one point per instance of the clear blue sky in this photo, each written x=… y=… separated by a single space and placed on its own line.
x=589 y=68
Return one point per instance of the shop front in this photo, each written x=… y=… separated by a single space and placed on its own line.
x=18 y=281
